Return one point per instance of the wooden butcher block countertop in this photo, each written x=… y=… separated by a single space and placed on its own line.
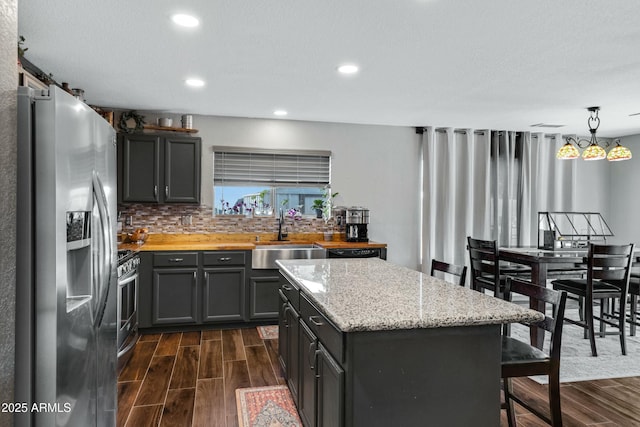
x=238 y=241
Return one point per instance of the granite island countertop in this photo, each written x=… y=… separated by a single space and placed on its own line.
x=371 y=294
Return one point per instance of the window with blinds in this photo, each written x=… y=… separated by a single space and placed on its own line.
x=261 y=182
x=275 y=169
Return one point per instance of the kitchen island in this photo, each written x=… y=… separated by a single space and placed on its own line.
x=364 y=342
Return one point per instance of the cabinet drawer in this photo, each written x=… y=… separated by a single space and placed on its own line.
x=292 y=293
x=224 y=258
x=327 y=332
x=175 y=259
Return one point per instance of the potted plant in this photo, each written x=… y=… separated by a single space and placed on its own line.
x=318 y=205
x=327 y=203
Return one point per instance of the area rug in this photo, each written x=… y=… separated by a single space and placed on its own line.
x=268 y=332
x=270 y=406
x=576 y=362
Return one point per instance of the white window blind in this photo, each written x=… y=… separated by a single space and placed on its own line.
x=276 y=168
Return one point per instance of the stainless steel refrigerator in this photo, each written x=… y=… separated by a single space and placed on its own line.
x=66 y=273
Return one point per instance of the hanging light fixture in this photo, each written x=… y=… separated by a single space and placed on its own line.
x=593 y=149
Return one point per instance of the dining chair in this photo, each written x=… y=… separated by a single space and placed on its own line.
x=521 y=359
x=608 y=272
x=456 y=270
x=486 y=270
x=484 y=263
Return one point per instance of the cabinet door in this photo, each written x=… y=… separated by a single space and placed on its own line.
x=307 y=391
x=263 y=297
x=330 y=390
x=174 y=296
x=223 y=294
x=139 y=168
x=182 y=170
x=292 y=356
x=283 y=338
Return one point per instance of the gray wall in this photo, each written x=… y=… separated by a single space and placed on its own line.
x=373 y=166
x=624 y=191
x=8 y=83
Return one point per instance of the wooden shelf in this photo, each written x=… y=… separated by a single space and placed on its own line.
x=170 y=129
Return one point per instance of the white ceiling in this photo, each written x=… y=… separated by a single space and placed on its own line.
x=501 y=64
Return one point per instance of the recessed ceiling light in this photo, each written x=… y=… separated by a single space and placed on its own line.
x=348 y=69
x=185 y=20
x=194 y=82
x=280 y=113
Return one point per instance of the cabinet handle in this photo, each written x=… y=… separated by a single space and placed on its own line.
x=223 y=259
x=155 y=191
x=176 y=259
x=195 y=277
x=284 y=315
x=166 y=191
x=312 y=353
x=313 y=320
x=287 y=288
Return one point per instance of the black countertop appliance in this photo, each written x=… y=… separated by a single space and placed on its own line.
x=357 y=220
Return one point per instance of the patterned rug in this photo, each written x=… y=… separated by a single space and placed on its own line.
x=270 y=406
x=268 y=332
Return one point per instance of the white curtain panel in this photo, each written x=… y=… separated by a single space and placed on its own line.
x=489 y=185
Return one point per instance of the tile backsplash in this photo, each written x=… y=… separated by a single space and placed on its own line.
x=182 y=218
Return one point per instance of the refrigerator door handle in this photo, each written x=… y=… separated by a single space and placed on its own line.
x=107 y=257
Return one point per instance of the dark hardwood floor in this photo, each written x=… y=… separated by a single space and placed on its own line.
x=189 y=379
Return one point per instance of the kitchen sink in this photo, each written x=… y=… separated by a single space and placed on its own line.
x=265 y=256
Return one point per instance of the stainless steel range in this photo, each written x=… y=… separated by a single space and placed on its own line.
x=127 y=333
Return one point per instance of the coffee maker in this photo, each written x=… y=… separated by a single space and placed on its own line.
x=356 y=220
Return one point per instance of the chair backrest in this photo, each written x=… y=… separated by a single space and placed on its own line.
x=485 y=268
x=456 y=270
x=610 y=263
x=557 y=299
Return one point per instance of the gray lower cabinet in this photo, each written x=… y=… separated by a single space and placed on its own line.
x=175 y=288
x=264 y=302
x=307 y=398
x=175 y=296
x=223 y=290
x=191 y=288
x=330 y=389
x=223 y=294
x=380 y=378
x=315 y=379
x=288 y=346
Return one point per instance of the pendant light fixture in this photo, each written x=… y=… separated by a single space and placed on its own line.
x=593 y=149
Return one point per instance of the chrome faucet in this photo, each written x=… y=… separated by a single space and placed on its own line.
x=281 y=235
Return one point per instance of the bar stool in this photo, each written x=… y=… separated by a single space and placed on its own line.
x=520 y=359
x=456 y=270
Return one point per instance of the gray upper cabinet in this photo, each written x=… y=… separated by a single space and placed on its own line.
x=159 y=168
x=139 y=168
x=182 y=170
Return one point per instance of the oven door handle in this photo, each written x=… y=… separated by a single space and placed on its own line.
x=127 y=279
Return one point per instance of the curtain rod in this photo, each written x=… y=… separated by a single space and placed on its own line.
x=420 y=130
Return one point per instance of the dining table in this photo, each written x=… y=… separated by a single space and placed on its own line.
x=549 y=264
x=545 y=264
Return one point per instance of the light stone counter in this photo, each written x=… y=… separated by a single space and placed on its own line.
x=374 y=295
